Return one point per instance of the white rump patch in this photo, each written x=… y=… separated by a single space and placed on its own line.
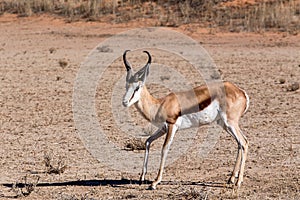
x=206 y=116
x=247 y=101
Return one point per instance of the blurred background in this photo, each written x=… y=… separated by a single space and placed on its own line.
x=230 y=15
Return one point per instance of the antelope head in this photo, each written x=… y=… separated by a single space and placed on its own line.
x=135 y=81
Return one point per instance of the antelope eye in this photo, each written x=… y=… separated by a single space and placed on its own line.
x=137 y=88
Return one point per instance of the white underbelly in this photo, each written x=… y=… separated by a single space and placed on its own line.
x=206 y=116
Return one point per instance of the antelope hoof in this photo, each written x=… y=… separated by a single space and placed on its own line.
x=142 y=179
x=152 y=187
x=239 y=183
x=231 y=180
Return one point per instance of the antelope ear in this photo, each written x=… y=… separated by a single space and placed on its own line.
x=142 y=74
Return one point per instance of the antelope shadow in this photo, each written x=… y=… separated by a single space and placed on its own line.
x=114 y=183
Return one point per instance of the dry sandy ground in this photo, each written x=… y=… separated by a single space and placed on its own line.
x=36 y=117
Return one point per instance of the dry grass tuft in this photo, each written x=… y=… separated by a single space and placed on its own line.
x=63 y=63
x=63 y=196
x=191 y=194
x=135 y=144
x=91 y=9
x=25 y=187
x=281 y=15
x=54 y=167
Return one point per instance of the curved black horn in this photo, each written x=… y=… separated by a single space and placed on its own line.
x=149 y=57
x=127 y=65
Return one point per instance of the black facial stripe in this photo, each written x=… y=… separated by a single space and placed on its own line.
x=135 y=90
x=132 y=96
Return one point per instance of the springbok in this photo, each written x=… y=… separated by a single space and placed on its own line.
x=175 y=112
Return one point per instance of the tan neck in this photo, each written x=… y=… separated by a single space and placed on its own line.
x=148 y=105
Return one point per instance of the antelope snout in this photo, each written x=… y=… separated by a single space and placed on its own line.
x=125 y=103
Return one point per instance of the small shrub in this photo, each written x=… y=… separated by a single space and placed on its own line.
x=53 y=167
x=63 y=63
x=25 y=187
x=135 y=144
x=191 y=194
